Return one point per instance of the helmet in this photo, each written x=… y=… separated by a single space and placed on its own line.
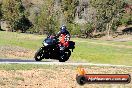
x=63 y=29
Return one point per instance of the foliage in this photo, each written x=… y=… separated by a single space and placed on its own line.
x=75 y=29
x=68 y=9
x=102 y=16
x=126 y=19
x=22 y=24
x=0 y=12
x=108 y=13
x=0 y=16
x=13 y=12
x=46 y=21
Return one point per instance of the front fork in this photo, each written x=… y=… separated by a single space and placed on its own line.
x=45 y=52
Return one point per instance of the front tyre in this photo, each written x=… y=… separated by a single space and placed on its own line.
x=39 y=55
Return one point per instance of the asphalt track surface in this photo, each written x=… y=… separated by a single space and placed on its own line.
x=54 y=62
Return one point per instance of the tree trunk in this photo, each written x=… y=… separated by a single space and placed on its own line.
x=109 y=25
x=108 y=30
x=0 y=24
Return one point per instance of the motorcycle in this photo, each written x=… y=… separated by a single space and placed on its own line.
x=52 y=50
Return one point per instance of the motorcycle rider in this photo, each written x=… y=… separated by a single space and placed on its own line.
x=64 y=37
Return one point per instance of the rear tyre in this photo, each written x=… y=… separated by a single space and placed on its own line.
x=62 y=58
x=68 y=53
x=39 y=55
x=65 y=56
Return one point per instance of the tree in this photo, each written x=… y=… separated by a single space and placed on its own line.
x=108 y=13
x=47 y=21
x=69 y=9
x=75 y=29
x=13 y=12
x=22 y=24
x=0 y=16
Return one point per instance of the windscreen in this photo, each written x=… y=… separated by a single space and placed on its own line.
x=49 y=41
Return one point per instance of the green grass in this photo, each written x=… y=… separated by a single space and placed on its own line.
x=96 y=53
x=101 y=51
x=23 y=40
x=14 y=67
x=24 y=67
x=87 y=50
x=128 y=43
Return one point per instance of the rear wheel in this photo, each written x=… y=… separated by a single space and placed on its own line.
x=68 y=54
x=65 y=56
x=62 y=59
x=39 y=55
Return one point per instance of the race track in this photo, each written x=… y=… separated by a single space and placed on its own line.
x=54 y=62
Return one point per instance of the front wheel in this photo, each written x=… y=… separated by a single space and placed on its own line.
x=39 y=55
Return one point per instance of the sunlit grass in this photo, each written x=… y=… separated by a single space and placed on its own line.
x=87 y=50
x=95 y=53
x=28 y=41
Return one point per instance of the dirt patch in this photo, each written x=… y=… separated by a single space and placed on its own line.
x=57 y=77
x=15 y=52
